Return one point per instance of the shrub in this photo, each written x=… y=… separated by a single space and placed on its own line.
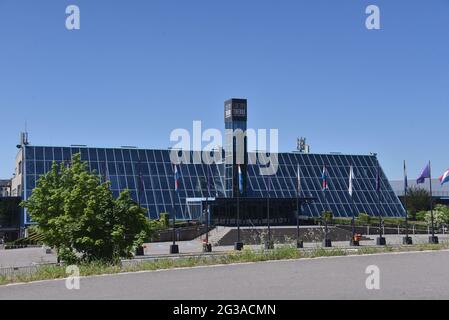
x=363 y=218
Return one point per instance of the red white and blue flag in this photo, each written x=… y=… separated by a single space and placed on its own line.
x=325 y=177
x=177 y=178
x=445 y=177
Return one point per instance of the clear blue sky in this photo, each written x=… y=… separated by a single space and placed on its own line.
x=138 y=69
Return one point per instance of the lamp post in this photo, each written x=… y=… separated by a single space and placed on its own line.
x=207 y=247
x=140 y=251
x=269 y=244
x=354 y=241
x=239 y=245
x=432 y=239
x=327 y=243
x=380 y=241
x=174 y=248
x=299 y=243
x=407 y=240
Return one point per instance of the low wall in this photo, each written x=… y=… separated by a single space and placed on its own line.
x=182 y=234
x=284 y=235
x=374 y=230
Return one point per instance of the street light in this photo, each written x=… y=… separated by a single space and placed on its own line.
x=269 y=244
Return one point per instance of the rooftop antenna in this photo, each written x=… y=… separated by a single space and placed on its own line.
x=302 y=146
x=24 y=137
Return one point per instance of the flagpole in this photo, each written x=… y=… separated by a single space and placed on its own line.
x=268 y=244
x=238 y=245
x=354 y=241
x=433 y=239
x=174 y=249
x=238 y=218
x=174 y=221
x=299 y=243
x=405 y=202
x=327 y=242
x=207 y=207
x=381 y=240
x=207 y=247
x=407 y=240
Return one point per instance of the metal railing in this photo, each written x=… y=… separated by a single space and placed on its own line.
x=436 y=194
x=12 y=271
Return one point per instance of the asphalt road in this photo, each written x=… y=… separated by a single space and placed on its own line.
x=422 y=275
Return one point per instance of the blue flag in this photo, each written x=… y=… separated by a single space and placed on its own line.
x=424 y=175
x=240 y=180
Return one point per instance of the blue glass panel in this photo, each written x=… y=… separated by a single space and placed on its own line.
x=126 y=155
x=101 y=154
x=29 y=153
x=66 y=154
x=118 y=155
x=93 y=155
x=30 y=167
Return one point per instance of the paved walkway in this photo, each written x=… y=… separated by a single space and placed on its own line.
x=25 y=257
x=33 y=256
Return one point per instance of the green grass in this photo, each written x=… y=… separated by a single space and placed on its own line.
x=284 y=252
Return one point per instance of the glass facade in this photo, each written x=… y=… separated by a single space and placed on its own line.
x=149 y=175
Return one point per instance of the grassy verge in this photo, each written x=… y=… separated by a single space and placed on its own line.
x=284 y=252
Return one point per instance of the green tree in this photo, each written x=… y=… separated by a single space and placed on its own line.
x=420 y=216
x=364 y=219
x=78 y=215
x=438 y=218
x=444 y=211
x=327 y=216
x=418 y=199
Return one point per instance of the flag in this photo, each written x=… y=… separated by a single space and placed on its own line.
x=299 y=181
x=445 y=177
x=177 y=177
x=324 y=178
x=351 y=178
x=405 y=179
x=424 y=175
x=240 y=180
